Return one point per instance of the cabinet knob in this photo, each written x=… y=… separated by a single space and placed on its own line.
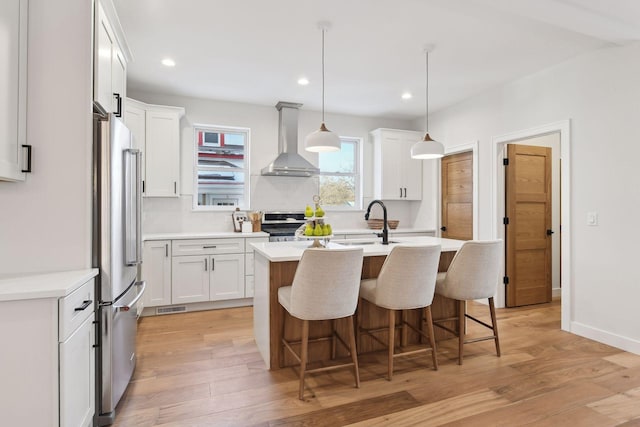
x=443 y=228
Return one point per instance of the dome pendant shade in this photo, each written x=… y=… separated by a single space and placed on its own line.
x=322 y=140
x=427 y=149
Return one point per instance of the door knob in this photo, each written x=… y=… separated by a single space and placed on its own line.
x=443 y=228
x=550 y=232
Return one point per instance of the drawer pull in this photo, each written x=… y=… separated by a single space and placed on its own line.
x=209 y=247
x=85 y=304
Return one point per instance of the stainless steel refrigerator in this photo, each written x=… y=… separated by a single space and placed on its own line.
x=117 y=252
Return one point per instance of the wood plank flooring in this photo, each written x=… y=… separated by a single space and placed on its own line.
x=203 y=369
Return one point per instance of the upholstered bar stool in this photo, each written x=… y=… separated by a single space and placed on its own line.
x=406 y=281
x=325 y=287
x=473 y=274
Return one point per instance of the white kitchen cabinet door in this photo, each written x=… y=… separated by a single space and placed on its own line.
x=77 y=370
x=190 y=279
x=118 y=82
x=162 y=153
x=134 y=119
x=13 y=94
x=396 y=175
x=156 y=272
x=227 y=277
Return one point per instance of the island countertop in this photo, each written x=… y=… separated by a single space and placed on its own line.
x=292 y=251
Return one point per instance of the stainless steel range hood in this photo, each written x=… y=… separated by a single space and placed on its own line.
x=289 y=162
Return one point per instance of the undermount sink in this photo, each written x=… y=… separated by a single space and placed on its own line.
x=363 y=243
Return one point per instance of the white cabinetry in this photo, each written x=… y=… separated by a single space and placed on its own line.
x=47 y=362
x=13 y=95
x=396 y=175
x=156 y=132
x=249 y=263
x=156 y=271
x=110 y=67
x=207 y=270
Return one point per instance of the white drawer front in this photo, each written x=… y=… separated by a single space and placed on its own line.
x=251 y=240
x=74 y=309
x=207 y=247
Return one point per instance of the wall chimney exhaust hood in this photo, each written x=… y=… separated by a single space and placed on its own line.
x=289 y=162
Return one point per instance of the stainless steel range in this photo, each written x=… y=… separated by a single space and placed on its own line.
x=281 y=226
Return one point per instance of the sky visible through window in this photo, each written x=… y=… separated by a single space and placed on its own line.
x=342 y=161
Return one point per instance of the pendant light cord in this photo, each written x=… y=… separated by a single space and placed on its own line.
x=426 y=113
x=323 y=30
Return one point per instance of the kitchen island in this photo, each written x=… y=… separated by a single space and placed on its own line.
x=275 y=266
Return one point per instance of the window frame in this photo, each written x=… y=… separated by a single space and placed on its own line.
x=357 y=174
x=246 y=170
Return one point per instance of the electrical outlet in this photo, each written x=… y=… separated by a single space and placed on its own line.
x=592 y=218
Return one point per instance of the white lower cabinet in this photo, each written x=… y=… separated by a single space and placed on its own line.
x=47 y=360
x=226 y=277
x=189 y=279
x=156 y=271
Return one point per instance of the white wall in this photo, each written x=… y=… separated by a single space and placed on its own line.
x=45 y=222
x=599 y=93
x=268 y=192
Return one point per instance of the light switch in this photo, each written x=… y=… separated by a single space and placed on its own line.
x=592 y=218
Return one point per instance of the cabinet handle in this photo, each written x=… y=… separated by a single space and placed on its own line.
x=213 y=264
x=175 y=187
x=118 y=112
x=28 y=147
x=400 y=192
x=166 y=250
x=405 y=192
x=143 y=185
x=85 y=304
x=209 y=247
x=205 y=264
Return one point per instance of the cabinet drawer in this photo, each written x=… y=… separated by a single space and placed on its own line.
x=249 y=240
x=207 y=247
x=74 y=309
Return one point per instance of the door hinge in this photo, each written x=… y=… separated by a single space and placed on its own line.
x=505 y=220
x=505 y=162
x=505 y=280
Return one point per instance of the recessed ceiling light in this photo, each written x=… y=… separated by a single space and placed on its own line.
x=303 y=81
x=168 y=62
x=407 y=95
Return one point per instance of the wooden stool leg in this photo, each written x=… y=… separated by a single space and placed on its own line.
x=494 y=323
x=392 y=340
x=403 y=337
x=303 y=356
x=333 y=339
x=353 y=351
x=432 y=339
x=359 y=322
x=461 y=330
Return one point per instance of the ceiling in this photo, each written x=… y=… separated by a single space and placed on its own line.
x=254 y=51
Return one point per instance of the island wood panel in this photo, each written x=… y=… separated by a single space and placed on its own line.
x=282 y=273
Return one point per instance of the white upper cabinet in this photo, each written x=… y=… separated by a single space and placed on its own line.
x=14 y=153
x=396 y=175
x=156 y=132
x=110 y=66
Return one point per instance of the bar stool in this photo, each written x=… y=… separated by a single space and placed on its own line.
x=325 y=287
x=406 y=281
x=473 y=274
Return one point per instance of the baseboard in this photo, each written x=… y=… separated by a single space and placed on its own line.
x=556 y=293
x=200 y=306
x=618 y=341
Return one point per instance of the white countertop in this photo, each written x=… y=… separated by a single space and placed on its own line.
x=202 y=235
x=44 y=285
x=292 y=251
x=391 y=231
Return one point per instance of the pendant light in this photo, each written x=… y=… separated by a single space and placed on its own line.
x=427 y=148
x=323 y=139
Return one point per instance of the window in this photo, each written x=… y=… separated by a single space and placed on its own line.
x=340 y=175
x=221 y=167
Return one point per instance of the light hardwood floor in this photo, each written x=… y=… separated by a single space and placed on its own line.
x=203 y=369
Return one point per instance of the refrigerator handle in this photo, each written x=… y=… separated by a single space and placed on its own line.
x=132 y=207
x=135 y=300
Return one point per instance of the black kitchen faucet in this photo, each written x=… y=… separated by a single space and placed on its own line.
x=385 y=229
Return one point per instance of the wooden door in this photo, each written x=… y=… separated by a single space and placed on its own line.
x=457 y=196
x=528 y=225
